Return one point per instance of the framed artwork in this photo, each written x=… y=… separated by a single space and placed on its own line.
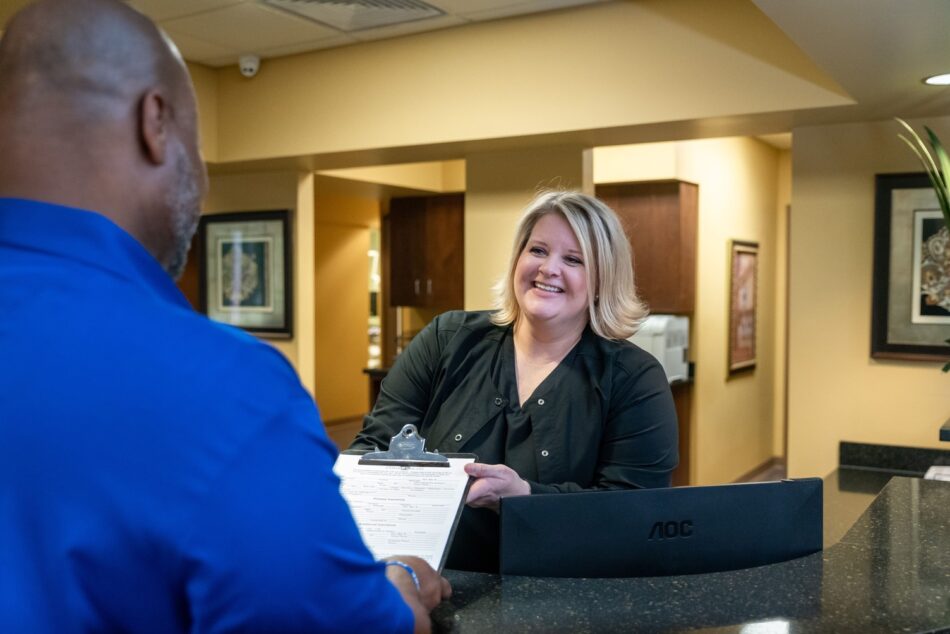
x=743 y=300
x=910 y=306
x=245 y=271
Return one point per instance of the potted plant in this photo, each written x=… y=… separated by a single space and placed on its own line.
x=937 y=166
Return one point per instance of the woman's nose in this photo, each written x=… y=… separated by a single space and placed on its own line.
x=548 y=267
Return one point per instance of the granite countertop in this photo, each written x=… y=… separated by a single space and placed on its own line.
x=885 y=568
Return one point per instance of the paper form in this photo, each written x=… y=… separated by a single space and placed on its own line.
x=404 y=510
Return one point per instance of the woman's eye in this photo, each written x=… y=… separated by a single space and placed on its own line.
x=573 y=261
x=536 y=251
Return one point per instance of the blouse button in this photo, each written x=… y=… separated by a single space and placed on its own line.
x=458 y=437
x=498 y=401
x=540 y=401
x=544 y=452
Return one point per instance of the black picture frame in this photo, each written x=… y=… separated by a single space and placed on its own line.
x=255 y=290
x=898 y=199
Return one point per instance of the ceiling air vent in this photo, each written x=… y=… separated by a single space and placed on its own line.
x=356 y=15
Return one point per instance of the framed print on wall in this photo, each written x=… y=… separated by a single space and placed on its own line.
x=743 y=300
x=245 y=271
x=910 y=306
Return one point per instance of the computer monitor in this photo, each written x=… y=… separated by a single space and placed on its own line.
x=651 y=532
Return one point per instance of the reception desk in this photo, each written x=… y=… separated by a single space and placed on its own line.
x=885 y=568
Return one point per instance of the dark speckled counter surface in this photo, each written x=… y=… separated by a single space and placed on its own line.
x=885 y=568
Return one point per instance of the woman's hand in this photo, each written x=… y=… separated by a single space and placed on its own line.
x=493 y=482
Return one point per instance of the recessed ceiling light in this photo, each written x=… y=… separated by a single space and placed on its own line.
x=938 y=80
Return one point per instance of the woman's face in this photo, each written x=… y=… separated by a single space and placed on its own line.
x=550 y=278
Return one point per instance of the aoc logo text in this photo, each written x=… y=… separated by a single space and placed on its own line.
x=671 y=529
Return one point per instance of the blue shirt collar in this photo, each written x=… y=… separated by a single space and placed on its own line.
x=86 y=237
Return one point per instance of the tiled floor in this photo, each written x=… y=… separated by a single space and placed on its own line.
x=342 y=433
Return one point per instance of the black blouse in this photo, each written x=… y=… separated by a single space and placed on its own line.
x=603 y=419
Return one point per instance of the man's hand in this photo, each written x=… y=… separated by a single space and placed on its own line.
x=433 y=588
x=493 y=482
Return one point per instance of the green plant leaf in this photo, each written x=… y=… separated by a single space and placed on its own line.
x=930 y=167
x=922 y=153
x=939 y=152
x=944 y=169
x=937 y=178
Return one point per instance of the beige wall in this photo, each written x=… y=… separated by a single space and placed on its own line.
x=304 y=288
x=280 y=190
x=397 y=93
x=837 y=392
x=341 y=320
x=781 y=302
x=733 y=416
x=641 y=162
x=733 y=419
x=499 y=186
x=435 y=176
x=205 y=81
x=341 y=295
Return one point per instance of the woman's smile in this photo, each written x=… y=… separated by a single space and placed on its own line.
x=548 y=287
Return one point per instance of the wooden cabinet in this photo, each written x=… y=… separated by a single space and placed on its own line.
x=407 y=250
x=426 y=251
x=660 y=219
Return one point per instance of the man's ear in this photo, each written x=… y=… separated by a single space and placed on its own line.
x=154 y=116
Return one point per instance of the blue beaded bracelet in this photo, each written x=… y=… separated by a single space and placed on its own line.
x=407 y=568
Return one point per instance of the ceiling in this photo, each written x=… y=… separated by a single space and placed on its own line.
x=217 y=32
x=876 y=51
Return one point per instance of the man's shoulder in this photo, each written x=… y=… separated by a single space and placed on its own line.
x=188 y=355
x=226 y=350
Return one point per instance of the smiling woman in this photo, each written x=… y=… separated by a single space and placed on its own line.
x=550 y=280
x=589 y=232
x=545 y=390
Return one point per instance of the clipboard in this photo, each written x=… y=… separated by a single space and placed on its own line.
x=405 y=500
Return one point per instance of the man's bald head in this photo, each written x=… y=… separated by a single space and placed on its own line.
x=96 y=52
x=97 y=108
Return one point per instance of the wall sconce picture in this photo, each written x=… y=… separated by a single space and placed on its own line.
x=910 y=307
x=743 y=298
x=245 y=271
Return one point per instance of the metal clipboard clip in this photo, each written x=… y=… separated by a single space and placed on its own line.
x=406 y=449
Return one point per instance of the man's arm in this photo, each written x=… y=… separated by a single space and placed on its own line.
x=274 y=547
x=432 y=590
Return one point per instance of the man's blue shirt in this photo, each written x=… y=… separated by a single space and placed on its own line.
x=159 y=472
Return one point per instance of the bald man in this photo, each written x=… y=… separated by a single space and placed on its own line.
x=158 y=472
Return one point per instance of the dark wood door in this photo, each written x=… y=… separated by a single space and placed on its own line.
x=407 y=237
x=445 y=252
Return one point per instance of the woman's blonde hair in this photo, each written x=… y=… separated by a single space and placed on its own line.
x=614 y=308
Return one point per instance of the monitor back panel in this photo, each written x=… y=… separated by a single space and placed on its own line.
x=650 y=532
